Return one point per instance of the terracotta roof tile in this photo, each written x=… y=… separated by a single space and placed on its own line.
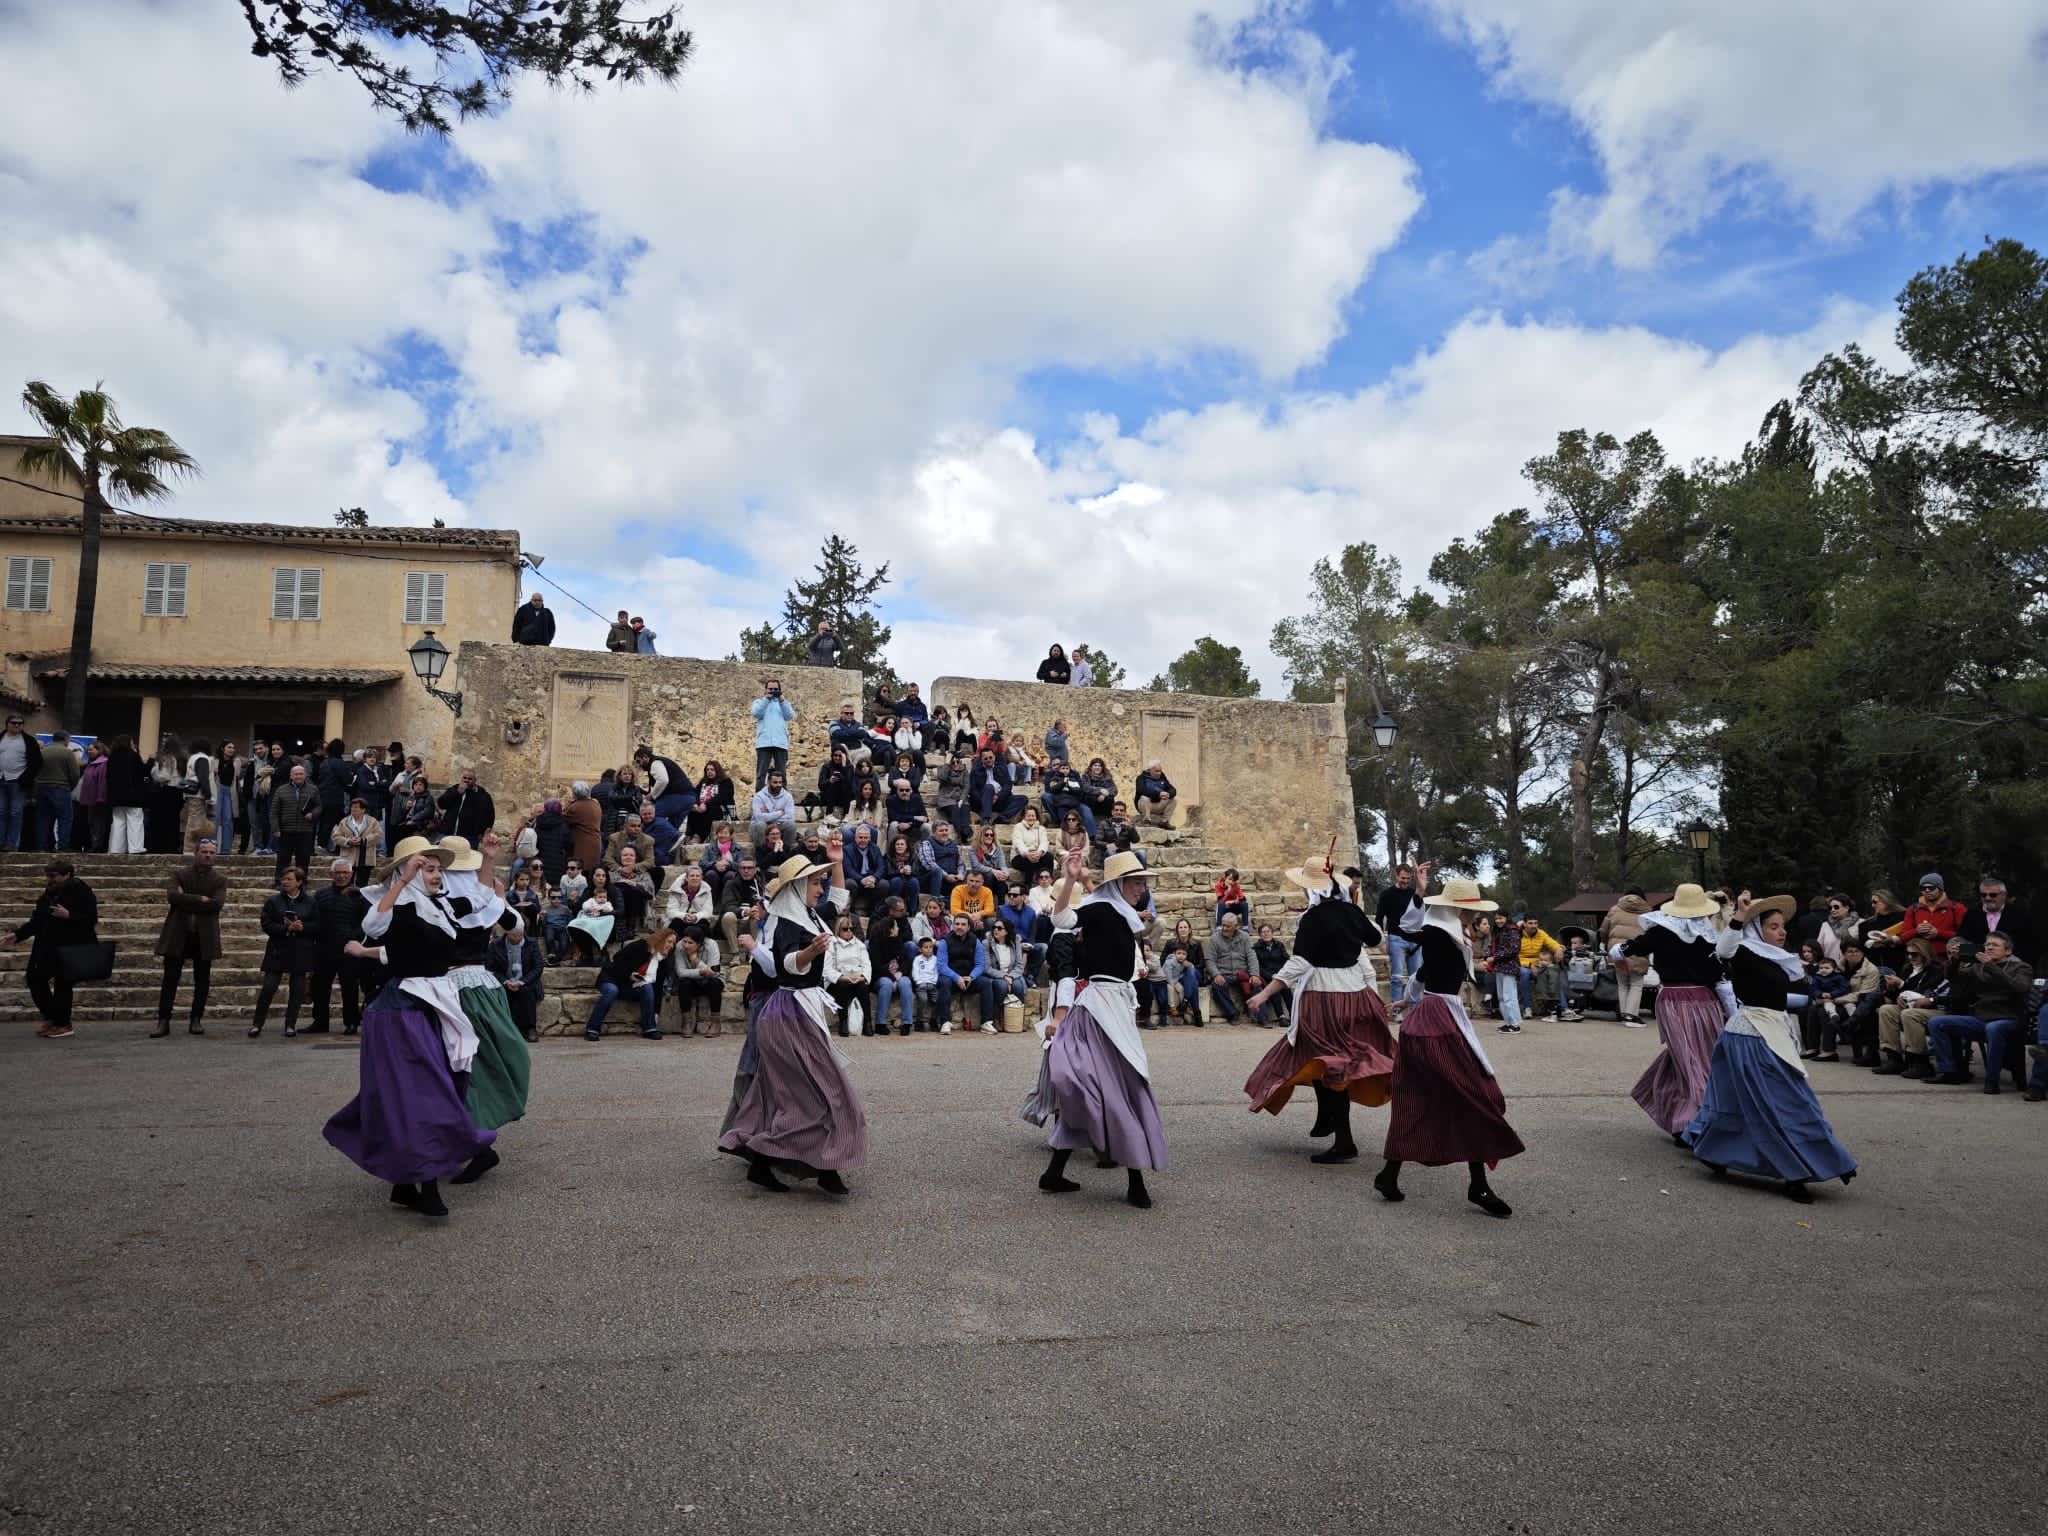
x=129 y=525
x=241 y=677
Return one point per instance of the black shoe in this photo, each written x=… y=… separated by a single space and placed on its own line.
x=430 y=1201
x=650 y=1034
x=477 y=1166
x=831 y=1183
x=290 y=1031
x=255 y=1030
x=1389 y=1188
x=405 y=1194
x=163 y=1027
x=1336 y=1155
x=1918 y=1069
x=758 y=1172
x=1951 y=1079
x=1893 y=1065
x=1798 y=1193
x=2036 y=1095
x=531 y=1036
x=1054 y=1184
x=1137 y=1194
x=195 y=1028
x=315 y=1029
x=1489 y=1202
x=350 y=1029
x=1991 y=1085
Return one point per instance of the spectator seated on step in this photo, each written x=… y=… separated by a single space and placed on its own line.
x=774 y=807
x=850 y=735
x=1114 y=833
x=834 y=794
x=630 y=836
x=962 y=963
x=2002 y=981
x=1233 y=968
x=989 y=790
x=974 y=901
x=941 y=862
x=904 y=812
x=1060 y=792
x=1230 y=897
x=1154 y=795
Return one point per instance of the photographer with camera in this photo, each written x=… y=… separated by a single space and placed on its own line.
x=772 y=717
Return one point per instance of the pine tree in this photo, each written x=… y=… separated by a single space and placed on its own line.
x=842 y=591
x=1208 y=667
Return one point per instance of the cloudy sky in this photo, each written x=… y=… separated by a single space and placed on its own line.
x=1097 y=319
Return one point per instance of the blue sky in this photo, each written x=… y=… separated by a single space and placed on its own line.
x=1095 y=320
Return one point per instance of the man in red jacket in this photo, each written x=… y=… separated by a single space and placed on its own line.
x=1934 y=917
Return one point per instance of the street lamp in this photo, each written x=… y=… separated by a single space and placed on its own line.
x=429 y=661
x=1701 y=836
x=1384 y=730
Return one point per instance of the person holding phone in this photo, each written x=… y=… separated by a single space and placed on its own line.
x=773 y=715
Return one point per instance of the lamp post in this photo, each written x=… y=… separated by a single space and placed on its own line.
x=1701 y=836
x=1384 y=730
x=429 y=661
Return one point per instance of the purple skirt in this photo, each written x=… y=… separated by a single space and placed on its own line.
x=800 y=1110
x=1689 y=1021
x=1446 y=1109
x=1099 y=1098
x=407 y=1122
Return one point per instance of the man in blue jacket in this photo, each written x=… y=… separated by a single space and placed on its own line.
x=863 y=859
x=1016 y=911
x=772 y=716
x=939 y=862
x=961 y=962
x=848 y=732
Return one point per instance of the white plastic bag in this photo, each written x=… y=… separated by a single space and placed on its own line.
x=856 y=1018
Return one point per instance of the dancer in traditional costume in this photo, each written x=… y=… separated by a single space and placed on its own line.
x=1678 y=940
x=798 y=1114
x=503 y=1068
x=408 y=1124
x=1060 y=987
x=1448 y=1107
x=1759 y=1115
x=1096 y=1068
x=1337 y=1039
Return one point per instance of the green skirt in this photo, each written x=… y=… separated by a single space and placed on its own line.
x=498 y=1077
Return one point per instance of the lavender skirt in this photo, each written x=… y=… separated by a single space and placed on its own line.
x=800 y=1110
x=407 y=1122
x=1689 y=1021
x=1099 y=1099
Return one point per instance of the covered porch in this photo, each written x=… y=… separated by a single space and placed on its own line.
x=297 y=706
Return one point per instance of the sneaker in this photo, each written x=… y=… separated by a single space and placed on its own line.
x=591 y=1034
x=56 y=1031
x=1508 y=1029
x=946 y=1028
x=1571 y=1016
x=1633 y=1024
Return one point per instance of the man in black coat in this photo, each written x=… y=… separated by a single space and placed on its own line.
x=533 y=622
x=1995 y=913
x=342 y=908
x=66 y=913
x=466 y=810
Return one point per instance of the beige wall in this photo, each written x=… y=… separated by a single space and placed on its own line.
x=228 y=616
x=587 y=710
x=1269 y=776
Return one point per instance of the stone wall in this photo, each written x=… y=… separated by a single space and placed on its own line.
x=1268 y=777
x=581 y=712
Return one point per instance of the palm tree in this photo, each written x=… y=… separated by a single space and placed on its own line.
x=88 y=444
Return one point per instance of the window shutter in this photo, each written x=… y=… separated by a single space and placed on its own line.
x=425 y=597
x=17 y=581
x=284 y=593
x=437 y=598
x=175 y=580
x=153 y=590
x=163 y=590
x=28 y=583
x=309 y=593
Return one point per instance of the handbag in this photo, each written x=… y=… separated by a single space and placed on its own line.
x=856 y=1018
x=86 y=962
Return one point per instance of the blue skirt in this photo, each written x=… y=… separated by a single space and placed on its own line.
x=1760 y=1117
x=407 y=1122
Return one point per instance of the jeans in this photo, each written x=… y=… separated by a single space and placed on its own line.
x=607 y=994
x=259 y=818
x=15 y=796
x=673 y=809
x=1219 y=992
x=1404 y=961
x=1526 y=984
x=1510 y=1001
x=53 y=816
x=995 y=990
x=1243 y=909
x=769 y=760
x=1057 y=806
x=224 y=818
x=1946 y=1030
x=899 y=988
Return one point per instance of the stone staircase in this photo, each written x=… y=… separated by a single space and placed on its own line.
x=131 y=892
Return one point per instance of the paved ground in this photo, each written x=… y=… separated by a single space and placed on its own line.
x=216 y=1324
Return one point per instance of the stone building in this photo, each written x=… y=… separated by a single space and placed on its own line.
x=244 y=631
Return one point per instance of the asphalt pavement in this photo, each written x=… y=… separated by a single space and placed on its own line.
x=217 y=1324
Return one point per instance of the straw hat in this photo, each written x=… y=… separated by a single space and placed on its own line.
x=1311 y=875
x=792 y=870
x=1690 y=900
x=1463 y=895
x=407 y=847
x=1121 y=866
x=1764 y=906
x=461 y=856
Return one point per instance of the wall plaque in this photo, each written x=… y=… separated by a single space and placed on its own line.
x=590 y=728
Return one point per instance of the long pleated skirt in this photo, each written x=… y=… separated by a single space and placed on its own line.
x=1341 y=1042
x=407 y=1122
x=1689 y=1021
x=499 y=1076
x=1446 y=1108
x=799 y=1109
x=1760 y=1116
x=1099 y=1099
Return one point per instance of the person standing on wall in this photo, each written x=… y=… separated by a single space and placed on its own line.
x=773 y=716
x=823 y=648
x=533 y=623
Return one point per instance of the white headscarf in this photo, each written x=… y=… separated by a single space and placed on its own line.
x=1784 y=959
x=1707 y=929
x=486 y=905
x=788 y=905
x=1111 y=893
x=416 y=896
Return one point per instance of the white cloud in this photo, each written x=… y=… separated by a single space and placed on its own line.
x=1832 y=105
x=1242 y=500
